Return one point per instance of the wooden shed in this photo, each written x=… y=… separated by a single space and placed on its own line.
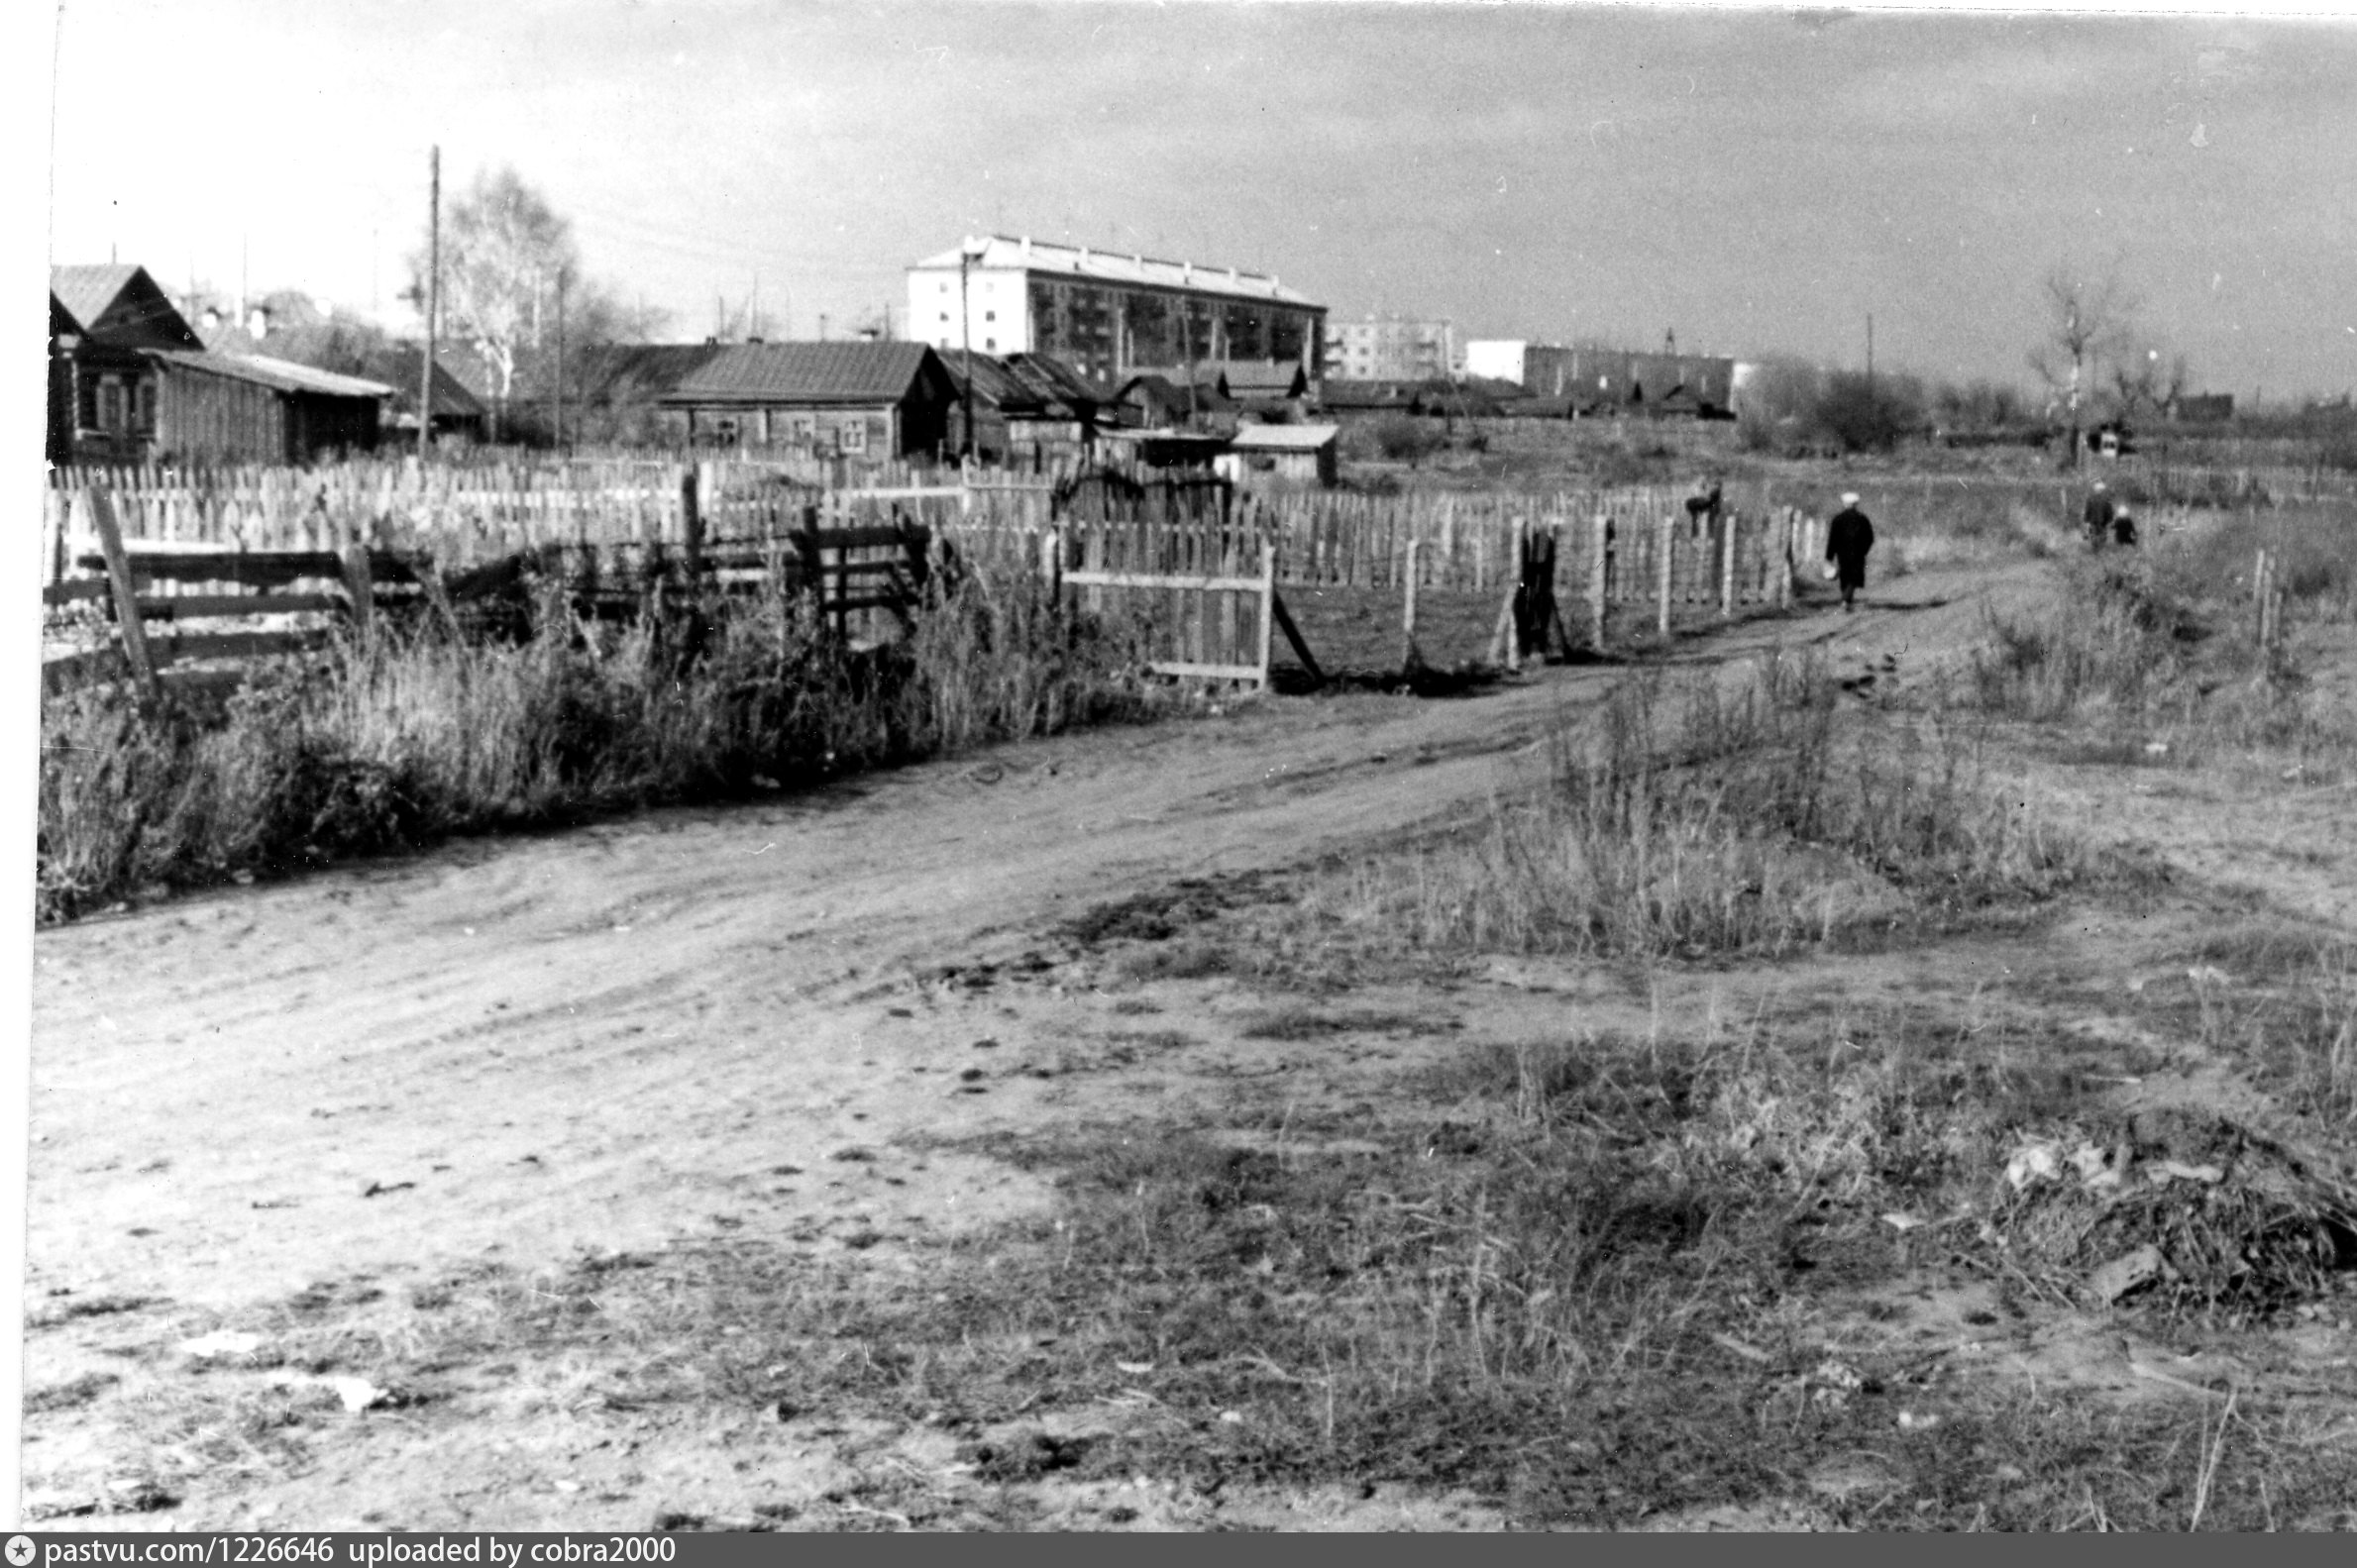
x=863 y=399
x=1292 y=454
x=252 y=408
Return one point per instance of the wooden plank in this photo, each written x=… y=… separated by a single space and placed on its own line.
x=1300 y=650
x=253 y=568
x=1136 y=579
x=240 y=645
x=1205 y=671
x=118 y=571
x=211 y=606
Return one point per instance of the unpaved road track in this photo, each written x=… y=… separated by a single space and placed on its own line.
x=609 y=1037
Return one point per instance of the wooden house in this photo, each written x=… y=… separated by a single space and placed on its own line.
x=131 y=382
x=1029 y=409
x=857 y=399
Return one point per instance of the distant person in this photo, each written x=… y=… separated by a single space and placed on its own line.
x=2124 y=527
x=1702 y=509
x=2098 y=516
x=1848 y=538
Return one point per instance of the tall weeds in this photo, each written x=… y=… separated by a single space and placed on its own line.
x=413 y=735
x=1755 y=821
x=2161 y=639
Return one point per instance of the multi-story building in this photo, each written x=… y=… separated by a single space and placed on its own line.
x=1393 y=349
x=1107 y=313
x=1604 y=377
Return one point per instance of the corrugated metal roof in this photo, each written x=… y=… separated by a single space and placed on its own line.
x=805 y=373
x=282 y=376
x=1119 y=266
x=1283 y=438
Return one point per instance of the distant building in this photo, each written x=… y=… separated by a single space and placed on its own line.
x=1393 y=349
x=1107 y=313
x=2204 y=408
x=1029 y=409
x=1295 y=454
x=1604 y=379
x=129 y=382
x=871 y=401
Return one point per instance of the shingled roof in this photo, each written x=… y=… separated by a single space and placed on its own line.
x=805 y=372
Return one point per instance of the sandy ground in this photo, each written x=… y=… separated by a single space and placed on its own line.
x=670 y=1027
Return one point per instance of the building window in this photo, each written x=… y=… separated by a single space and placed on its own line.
x=110 y=404
x=990 y=344
x=945 y=315
x=854 y=436
x=989 y=315
x=143 y=406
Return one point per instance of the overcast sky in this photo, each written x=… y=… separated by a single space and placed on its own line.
x=1757 y=180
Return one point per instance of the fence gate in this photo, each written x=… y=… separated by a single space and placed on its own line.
x=1206 y=594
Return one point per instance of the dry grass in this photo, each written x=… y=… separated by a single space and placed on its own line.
x=1752 y=822
x=1589 y=1279
x=2159 y=643
x=415 y=736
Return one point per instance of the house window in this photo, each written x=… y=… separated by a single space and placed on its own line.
x=989 y=315
x=945 y=315
x=110 y=404
x=854 y=436
x=990 y=344
x=143 y=408
x=805 y=429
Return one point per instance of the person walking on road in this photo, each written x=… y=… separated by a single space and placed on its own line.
x=2098 y=516
x=1846 y=540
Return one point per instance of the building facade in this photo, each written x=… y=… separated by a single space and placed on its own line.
x=1594 y=377
x=129 y=382
x=1393 y=349
x=1107 y=313
x=856 y=400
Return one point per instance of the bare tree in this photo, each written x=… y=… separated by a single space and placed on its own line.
x=2148 y=381
x=2088 y=321
x=503 y=248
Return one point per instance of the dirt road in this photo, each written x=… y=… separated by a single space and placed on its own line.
x=604 y=1037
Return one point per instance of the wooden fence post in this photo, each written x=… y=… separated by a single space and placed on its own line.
x=1599 y=579
x=360 y=586
x=118 y=571
x=1727 y=531
x=1665 y=541
x=690 y=524
x=1408 y=612
x=1268 y=606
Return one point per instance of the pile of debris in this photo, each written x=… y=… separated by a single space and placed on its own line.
x=2183 y=1209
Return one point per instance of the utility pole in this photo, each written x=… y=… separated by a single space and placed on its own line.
x=425 y=378
x=965 y=319
x=559 y=420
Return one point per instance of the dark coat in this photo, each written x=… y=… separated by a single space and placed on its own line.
x=1846 y=540
x=2098 y=516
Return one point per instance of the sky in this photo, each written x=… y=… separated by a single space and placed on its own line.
x=1757 y=180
